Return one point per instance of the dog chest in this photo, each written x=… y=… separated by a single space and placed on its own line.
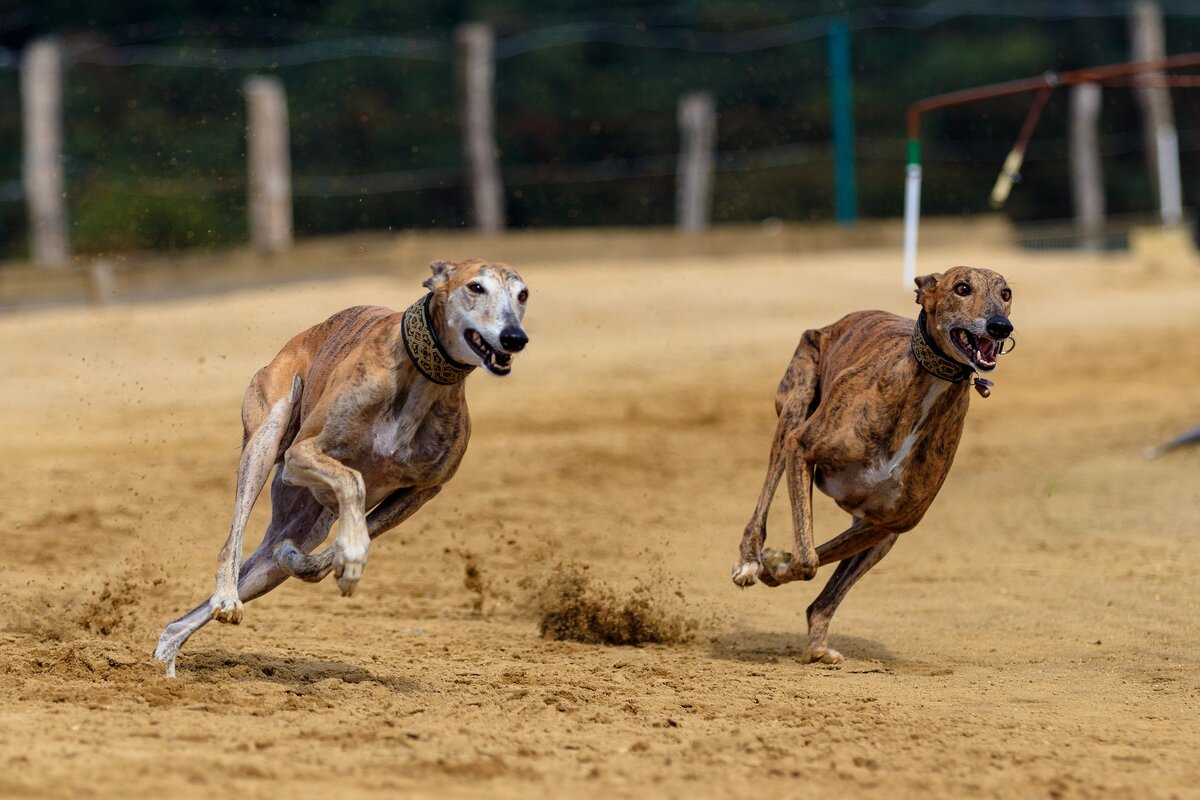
x=396 y=432
x=876 y=484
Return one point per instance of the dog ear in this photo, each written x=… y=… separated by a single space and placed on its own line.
x=926 y=283
x=441 y=273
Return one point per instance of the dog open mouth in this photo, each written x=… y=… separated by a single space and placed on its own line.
x=979 y=349
x=496 y=361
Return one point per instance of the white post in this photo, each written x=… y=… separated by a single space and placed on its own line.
x=1148 y=42
x=1086 y=168
x=477 y=78
x=698 y=135
x=912 y=215
x=1170 y=190
x=269 y=163
x=45 y=197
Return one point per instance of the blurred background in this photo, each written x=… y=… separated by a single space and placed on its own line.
x=585 y=99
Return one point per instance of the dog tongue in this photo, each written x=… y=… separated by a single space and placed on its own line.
x=987 y=348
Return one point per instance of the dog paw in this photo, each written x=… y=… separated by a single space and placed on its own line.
x=779 y=568
x=166 y=653
x=821 y=655
x=348 y=578
x=348 y=565
x=226 y=609
x=745 y=573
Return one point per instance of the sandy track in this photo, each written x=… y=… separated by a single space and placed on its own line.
x=1036 y=635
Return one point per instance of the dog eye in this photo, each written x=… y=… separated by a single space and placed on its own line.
x=962 y=289
x=523 y=295
x=1006 y=295
x=476 y=288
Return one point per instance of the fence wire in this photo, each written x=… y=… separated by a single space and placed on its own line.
x=333 y=44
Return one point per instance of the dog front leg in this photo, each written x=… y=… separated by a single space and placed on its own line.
x=821 y=611
x=306 y=465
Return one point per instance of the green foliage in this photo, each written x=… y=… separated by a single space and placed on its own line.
x=156 y=155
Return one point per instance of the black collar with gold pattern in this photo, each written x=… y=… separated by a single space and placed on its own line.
x=427 y=353
x=931 y=357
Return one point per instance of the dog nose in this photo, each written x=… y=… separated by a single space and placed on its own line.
x=999 y=327
x=513 y=339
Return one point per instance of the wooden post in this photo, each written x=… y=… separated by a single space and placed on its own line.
x=477 y=78
x=102 y=285
x=1087 y=173
x=1158 y=123
x=41 y=111
x=698 y=135
x=269 y=164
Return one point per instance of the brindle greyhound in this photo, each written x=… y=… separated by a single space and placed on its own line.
x=871 y=409
x=365 y=412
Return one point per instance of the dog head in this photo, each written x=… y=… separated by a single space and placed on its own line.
x=966 y=314
x=480 y=305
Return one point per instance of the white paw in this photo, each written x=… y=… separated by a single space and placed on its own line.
x=166 y=652
x=745 y=573
x=348 y=565
x=225 y=609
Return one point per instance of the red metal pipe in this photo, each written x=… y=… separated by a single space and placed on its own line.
x=1050 y=79
x=1156 y=81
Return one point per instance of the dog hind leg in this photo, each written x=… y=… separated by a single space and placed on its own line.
x=295 y=516
x=258 y=456
x=821 y=611
x=794 y=400
x=850 y=542
x=395 y=509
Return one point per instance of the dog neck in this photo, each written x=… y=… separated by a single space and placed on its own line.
x=425 y=349
x=932 y=359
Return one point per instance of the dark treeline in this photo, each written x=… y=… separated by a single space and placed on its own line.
x=156 y=157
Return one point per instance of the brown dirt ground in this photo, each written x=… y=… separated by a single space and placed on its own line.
x=1037 y=635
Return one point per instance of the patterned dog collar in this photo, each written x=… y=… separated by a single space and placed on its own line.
x=931 y=357
x=427 y=353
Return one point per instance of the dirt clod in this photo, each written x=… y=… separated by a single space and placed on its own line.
x=573 y=606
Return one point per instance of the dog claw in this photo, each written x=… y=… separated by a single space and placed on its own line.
x=745 y=573
x=348 y=571
x=348 y=578
x=228 y=610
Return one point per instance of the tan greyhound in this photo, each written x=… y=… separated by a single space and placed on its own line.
x=871 y=410
x=366 y=414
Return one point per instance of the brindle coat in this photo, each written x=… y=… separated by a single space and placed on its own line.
x=355 y=427
x=861 y=419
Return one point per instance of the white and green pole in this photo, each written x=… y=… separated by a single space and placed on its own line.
x=912 y=210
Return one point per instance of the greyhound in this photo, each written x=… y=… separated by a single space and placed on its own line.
x=365 y=412
x=871 y=410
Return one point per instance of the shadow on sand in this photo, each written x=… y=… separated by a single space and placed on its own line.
x=770 y=647
x=296 y=672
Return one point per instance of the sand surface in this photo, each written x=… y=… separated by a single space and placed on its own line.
x=1037 y=635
